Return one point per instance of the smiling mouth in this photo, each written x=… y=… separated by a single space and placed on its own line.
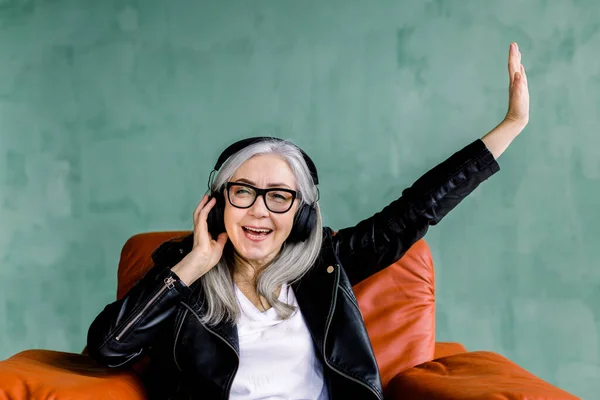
x=256 y=233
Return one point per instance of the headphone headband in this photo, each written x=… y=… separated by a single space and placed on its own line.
x=239 y=145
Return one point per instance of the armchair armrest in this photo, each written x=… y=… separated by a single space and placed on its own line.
x=45 y=374
x=444 y=349
x=478 y=375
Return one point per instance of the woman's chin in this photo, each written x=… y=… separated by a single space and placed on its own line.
x=254 y=256
x=254 y=253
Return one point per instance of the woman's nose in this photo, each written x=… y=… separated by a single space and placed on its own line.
x=259 y=208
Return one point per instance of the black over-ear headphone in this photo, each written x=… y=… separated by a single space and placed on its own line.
x=306 y=216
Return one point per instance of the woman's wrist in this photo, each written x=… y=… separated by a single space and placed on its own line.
x=499 y=138
x=514 y=124
x=186 y=275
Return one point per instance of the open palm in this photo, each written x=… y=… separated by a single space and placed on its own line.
x=518 y=91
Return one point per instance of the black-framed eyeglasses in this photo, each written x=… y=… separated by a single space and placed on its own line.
x=277 y=200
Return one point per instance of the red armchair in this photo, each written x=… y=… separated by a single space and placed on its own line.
x=398 y=306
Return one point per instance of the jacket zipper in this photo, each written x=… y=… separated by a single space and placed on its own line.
x=329 y=318
x=230 y=383
x=169 y=284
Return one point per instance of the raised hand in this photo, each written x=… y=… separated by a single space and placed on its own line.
x=518 y=90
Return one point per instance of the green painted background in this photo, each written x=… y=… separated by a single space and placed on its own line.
x=113 y=112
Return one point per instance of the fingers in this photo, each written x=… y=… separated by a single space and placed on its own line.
x=199 y=207
x=514 y=65
x=200 y=215
x=203 y=215
x=514 y=62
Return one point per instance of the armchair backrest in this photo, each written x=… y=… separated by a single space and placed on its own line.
x=397 y=304
x=136 y=258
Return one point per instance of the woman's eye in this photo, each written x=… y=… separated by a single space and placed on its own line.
x=279 y=196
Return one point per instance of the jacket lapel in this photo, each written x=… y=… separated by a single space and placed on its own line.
x=316 y=293
x=227 y=331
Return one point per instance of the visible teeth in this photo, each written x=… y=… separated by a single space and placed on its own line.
x=259 y=230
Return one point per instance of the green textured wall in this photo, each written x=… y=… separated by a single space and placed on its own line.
x=113 y=112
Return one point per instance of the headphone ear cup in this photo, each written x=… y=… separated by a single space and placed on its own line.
x=215 y=219
x=304 y=222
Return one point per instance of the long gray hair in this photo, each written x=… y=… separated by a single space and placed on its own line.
x=293 y=260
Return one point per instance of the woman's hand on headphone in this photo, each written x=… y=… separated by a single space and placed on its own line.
x=206 y=252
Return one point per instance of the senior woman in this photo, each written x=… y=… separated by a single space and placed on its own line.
x=257 y=302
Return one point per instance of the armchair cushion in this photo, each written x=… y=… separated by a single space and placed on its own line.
x=398 y=307
x=478 y=375
x=44 y=374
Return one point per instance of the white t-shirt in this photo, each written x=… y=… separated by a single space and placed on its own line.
x=277 y=357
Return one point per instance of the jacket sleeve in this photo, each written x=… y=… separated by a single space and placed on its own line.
x=382 y=239
x=126 y=328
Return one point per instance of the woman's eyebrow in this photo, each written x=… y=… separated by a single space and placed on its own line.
x=276 y=184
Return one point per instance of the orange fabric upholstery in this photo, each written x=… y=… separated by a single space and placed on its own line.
x=478 y=375
x=444 y=349
x=398 y=307
x=44 y=374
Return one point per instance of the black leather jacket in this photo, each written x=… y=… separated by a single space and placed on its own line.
x=159 y=316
